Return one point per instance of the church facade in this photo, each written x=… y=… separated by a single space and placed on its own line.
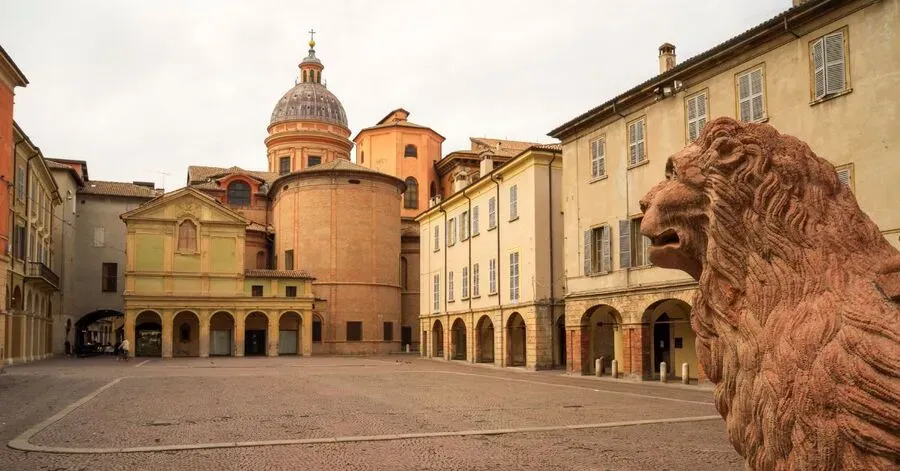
x=307 y=257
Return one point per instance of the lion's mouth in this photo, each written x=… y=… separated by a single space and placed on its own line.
x=668 y=237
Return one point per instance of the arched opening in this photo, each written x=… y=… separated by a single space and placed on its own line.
x=669 y=338
x=484 y=340
x=221 y=334
x=410 y=151
x=261 y=260
x=239 y=193
x=411 y=195
x=515 y=341
x=432 y=191
x=559 y=342
x=403 y=273
x=186 y=333
x=458 y=340
x=601 y=338
x=437 y=339
x=17 y=300
x=289 y=338
x=255 y=327
x=148 y=334
x=317 y=325
x=94 y=333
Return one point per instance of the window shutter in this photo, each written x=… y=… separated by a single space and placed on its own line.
x=818 y=54
x=701 y=113
x=624 y=243
x=475 y=220
x=632 y=144
x=844 y=176
x=594 y=159
x=834 y=62
x=756 y=90
x=462 y=226
x=744 y=97
x=606 y=249
x=587 y=252
x=601 y=165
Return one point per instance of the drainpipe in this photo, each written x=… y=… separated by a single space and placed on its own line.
x=441 y=209
x=497 y=217
x=469 y=260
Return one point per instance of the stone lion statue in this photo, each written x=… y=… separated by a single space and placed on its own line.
x=798 y=312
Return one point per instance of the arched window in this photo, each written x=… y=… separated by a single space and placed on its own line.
x=239 y=193
x=411 y=196
x=184 y=333
x=261 y=260
x=410 y=151
x=403 y=273
x=187 y=236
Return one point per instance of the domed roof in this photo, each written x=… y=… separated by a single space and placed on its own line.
x=309 y=101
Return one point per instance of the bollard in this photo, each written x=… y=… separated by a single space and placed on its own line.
x=662 y=372
x=615 y=368
x=685 y=373
x=407 y=348
x=598 y=367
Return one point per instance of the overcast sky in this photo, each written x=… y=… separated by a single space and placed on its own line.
x=142 y=88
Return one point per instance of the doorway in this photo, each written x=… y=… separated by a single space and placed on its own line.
x=255 y=343
x=661 y=350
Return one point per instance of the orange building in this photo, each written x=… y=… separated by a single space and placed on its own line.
x=10 y=78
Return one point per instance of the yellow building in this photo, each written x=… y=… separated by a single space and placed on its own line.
x=32 y=283
x=492 y=266
x=824 y=71
x=188 y=294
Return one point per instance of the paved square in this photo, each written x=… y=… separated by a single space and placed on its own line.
x=366 y=413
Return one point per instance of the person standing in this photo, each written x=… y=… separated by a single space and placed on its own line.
x=124 y=347
x=68 y=348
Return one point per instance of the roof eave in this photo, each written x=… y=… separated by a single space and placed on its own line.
x=18 y=76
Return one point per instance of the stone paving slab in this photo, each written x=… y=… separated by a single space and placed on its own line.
x=168 y=411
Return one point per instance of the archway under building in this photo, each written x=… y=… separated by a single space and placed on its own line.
x=601 y=338
x=289 y=333
x=668 y=338
x=255 y=326
x=221 y=334
x=93 y=331
x=437 y=339
x=148 y=334
x=186 y=334
x=458 y=340
x=484 y=340
x=515 y=341
x=559 y=342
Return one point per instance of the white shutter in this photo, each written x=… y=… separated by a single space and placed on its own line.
x=834 y=62
x=587 y=252
x=513 y=202
x=632 y=144
x=450 y=286
x=696 y=111
x=594 y=172
x=744 y=97
x=701 y=113
x=465 y=282
x=606 y=249
x=640 y=149
x=475 y=220
x=756 y=91
x=624 y=243
x=844 y=176
x=475 y=280
x=818 y=55
x=492 y=213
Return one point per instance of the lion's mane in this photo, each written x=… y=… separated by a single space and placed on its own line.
x=801 y=344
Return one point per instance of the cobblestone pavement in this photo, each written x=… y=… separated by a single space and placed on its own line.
x=251 y=402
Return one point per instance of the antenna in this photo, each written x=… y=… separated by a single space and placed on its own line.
x=164 y=174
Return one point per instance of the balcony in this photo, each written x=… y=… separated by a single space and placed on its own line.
x=39 y=273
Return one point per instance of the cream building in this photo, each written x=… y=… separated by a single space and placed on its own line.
x=33 y=283
x=492 y=268
x=824 y=71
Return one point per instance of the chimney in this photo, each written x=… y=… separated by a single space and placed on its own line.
x=667 y=57
x=487 y=165
x=460 y=181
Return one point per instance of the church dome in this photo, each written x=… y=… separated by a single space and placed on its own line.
x=309 y=101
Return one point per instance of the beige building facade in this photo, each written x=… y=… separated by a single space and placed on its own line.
x=492 y=278
x=818 y=71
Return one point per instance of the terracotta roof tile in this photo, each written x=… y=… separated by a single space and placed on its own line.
x=261 y=273
x=200 y=174
x=97 y=187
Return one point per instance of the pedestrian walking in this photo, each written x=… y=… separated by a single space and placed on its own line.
x=124 y=350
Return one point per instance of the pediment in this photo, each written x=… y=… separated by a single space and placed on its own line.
x=185 y=203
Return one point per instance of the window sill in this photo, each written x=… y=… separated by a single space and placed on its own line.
x=477 y=296
x=451 y=301
x=641 y=267
x=831 y=97
x=599 y=273
x=513 y=219
x=491 y=228
x=639 y=164
x=764 y=119
x=475 y=235
x=464 y=299
x=492 y=294
x=598 y=179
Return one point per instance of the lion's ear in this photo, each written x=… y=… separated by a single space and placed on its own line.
x=729 y=152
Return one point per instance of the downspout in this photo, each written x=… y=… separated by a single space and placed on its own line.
x=502 y=327
x=617 y=111
x=796 y=36
x=550 y=242
x=444 y=277
x=469 y=260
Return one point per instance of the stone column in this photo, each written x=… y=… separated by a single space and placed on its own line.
x=272 y=337
x=306 y=333
x=167 y=340
x=203 y=316
x=29 y=339
x=239 y=315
